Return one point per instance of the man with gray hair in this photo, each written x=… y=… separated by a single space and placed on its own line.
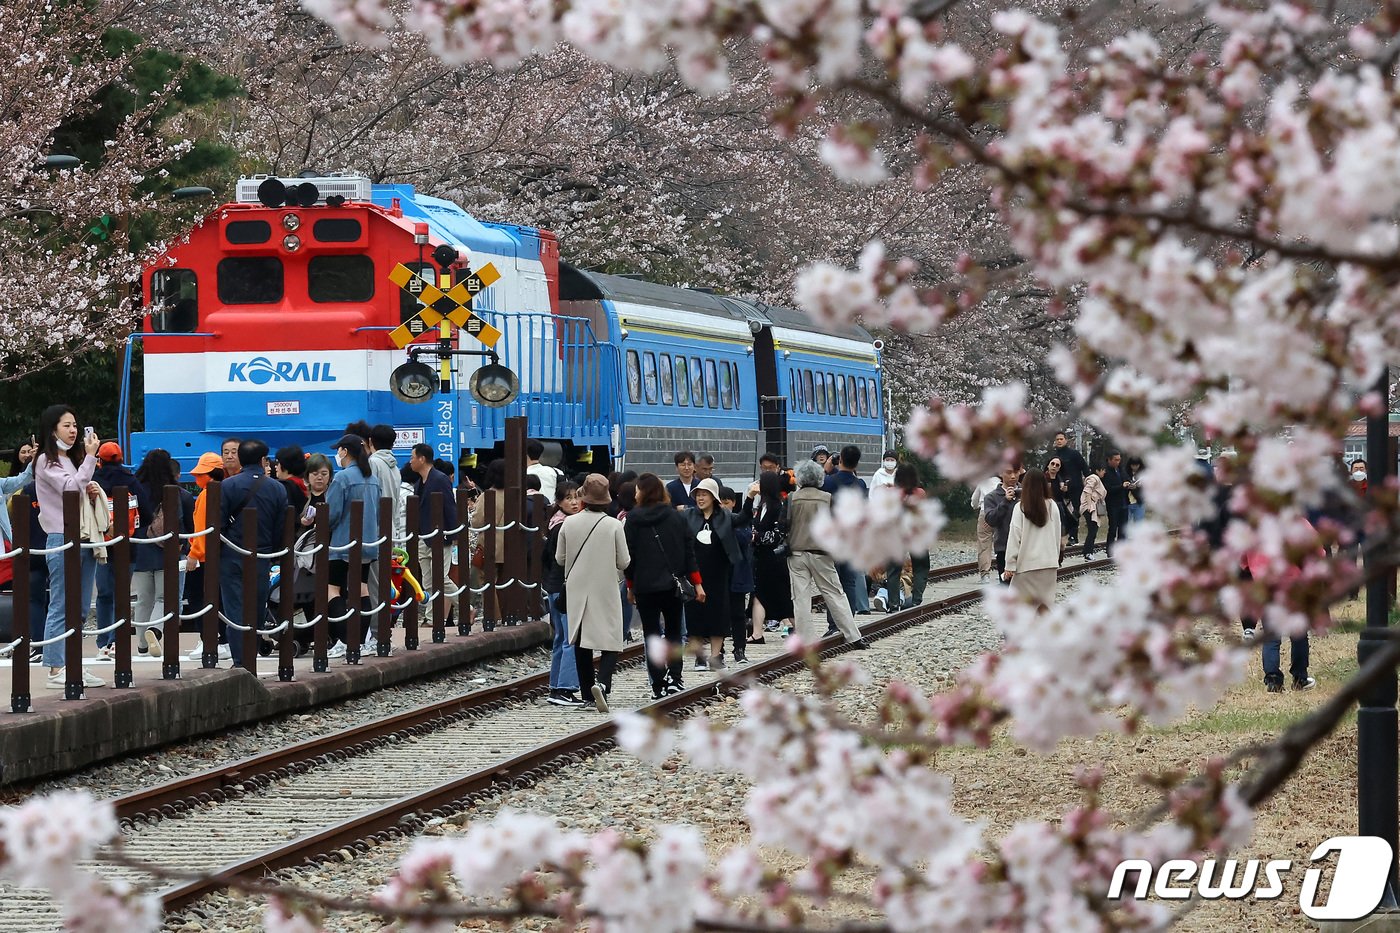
x=811 y=568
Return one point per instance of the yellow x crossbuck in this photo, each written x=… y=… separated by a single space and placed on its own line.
x=453 y=304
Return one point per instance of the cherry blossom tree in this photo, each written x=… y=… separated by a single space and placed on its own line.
x=68 y=276
x=1220 y=211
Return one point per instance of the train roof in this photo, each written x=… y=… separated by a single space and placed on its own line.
x=578 y=284
x=449 y=222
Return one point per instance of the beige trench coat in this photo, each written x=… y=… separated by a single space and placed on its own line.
x=593 y=573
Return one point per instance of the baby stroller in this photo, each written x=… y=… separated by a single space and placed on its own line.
x=303 y=596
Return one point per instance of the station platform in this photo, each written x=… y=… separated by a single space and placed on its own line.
x=59 y=735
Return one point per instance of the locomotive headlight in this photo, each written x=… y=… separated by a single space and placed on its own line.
x=291 y=222
x=291 y=242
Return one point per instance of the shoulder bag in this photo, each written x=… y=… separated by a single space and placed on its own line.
x=684 y=589
x=561 y=602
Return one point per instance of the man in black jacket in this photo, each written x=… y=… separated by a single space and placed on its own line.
x=1073 y=469
x=997 y=508
x=1116 y=501
x=251 y=488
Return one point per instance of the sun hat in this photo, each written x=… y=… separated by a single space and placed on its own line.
x=208 y=463
x=595 y=490
x=707 y=485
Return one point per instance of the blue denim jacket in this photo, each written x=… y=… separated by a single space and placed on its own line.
x=348 y=486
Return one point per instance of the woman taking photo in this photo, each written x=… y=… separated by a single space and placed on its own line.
x=1033 y=545
x=663 y=552
x=772 y=596
x=64 y=465
x=318 y=483
x=592 y=549
x=1059 y=491
x=716 y=554
x=354 y=483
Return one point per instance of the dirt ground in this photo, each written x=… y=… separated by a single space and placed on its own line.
x=1008 y=784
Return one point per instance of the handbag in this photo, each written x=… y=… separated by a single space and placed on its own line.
x=561 y=602
x=684 y=589
x=775 y=537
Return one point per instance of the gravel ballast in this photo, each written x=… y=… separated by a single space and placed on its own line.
x=616 y=791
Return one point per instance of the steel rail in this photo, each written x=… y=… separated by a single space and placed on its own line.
x=169 y=798
x=409 y=813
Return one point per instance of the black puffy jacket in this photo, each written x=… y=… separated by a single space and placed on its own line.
x=659 y=540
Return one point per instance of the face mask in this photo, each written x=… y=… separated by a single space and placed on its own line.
x=62 y=446
x=1359 y=476
x=891 y=464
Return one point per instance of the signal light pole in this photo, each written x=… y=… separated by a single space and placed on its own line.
x=1377 y=755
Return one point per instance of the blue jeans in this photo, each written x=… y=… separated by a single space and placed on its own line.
x=563 y=673
x=853 y=585
x=626 y=612
x=55 y=622
x=1298 y=659
x=231 y=592
x=1135 y=512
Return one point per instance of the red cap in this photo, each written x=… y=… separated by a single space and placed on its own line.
x=110 y=452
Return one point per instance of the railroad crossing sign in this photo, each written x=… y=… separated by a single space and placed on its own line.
x=453 y=304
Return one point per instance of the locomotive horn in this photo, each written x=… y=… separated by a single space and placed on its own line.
x=272 y=193
x=305 y=194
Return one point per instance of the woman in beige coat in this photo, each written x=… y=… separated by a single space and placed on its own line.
x=1033 y=546
x=593 y=552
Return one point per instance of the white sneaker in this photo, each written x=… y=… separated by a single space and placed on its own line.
x=198 y=653
x=336 y=650
x=59 y=679
x=1249 y=634
x=107 y=653
x=153 y=647
x=877 y=602
x=371 y=645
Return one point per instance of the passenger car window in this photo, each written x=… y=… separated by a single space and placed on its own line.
x=649 y=376
x=711 y=385
x=697 y=382
x=668 y=394
x=808 y=395
x=634 y=377
x=682 y=382
x=726 y=385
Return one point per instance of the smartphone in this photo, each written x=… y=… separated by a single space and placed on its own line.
x=89 y=431
x=310 y=514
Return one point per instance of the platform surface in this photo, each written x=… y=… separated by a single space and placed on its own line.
x=59 y=735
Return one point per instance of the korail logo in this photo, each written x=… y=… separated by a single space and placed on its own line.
x=1358 y=879
x=260 y=371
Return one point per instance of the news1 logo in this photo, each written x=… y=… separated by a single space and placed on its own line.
x=1358 y=879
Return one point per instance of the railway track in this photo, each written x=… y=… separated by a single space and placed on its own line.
x=350 y=790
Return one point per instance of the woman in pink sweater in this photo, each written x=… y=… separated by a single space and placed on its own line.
x=63 y=465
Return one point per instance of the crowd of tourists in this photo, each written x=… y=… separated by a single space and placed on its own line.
x=709 y=568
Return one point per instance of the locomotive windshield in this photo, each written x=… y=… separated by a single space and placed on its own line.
x=250 y=280
x=174 y=301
